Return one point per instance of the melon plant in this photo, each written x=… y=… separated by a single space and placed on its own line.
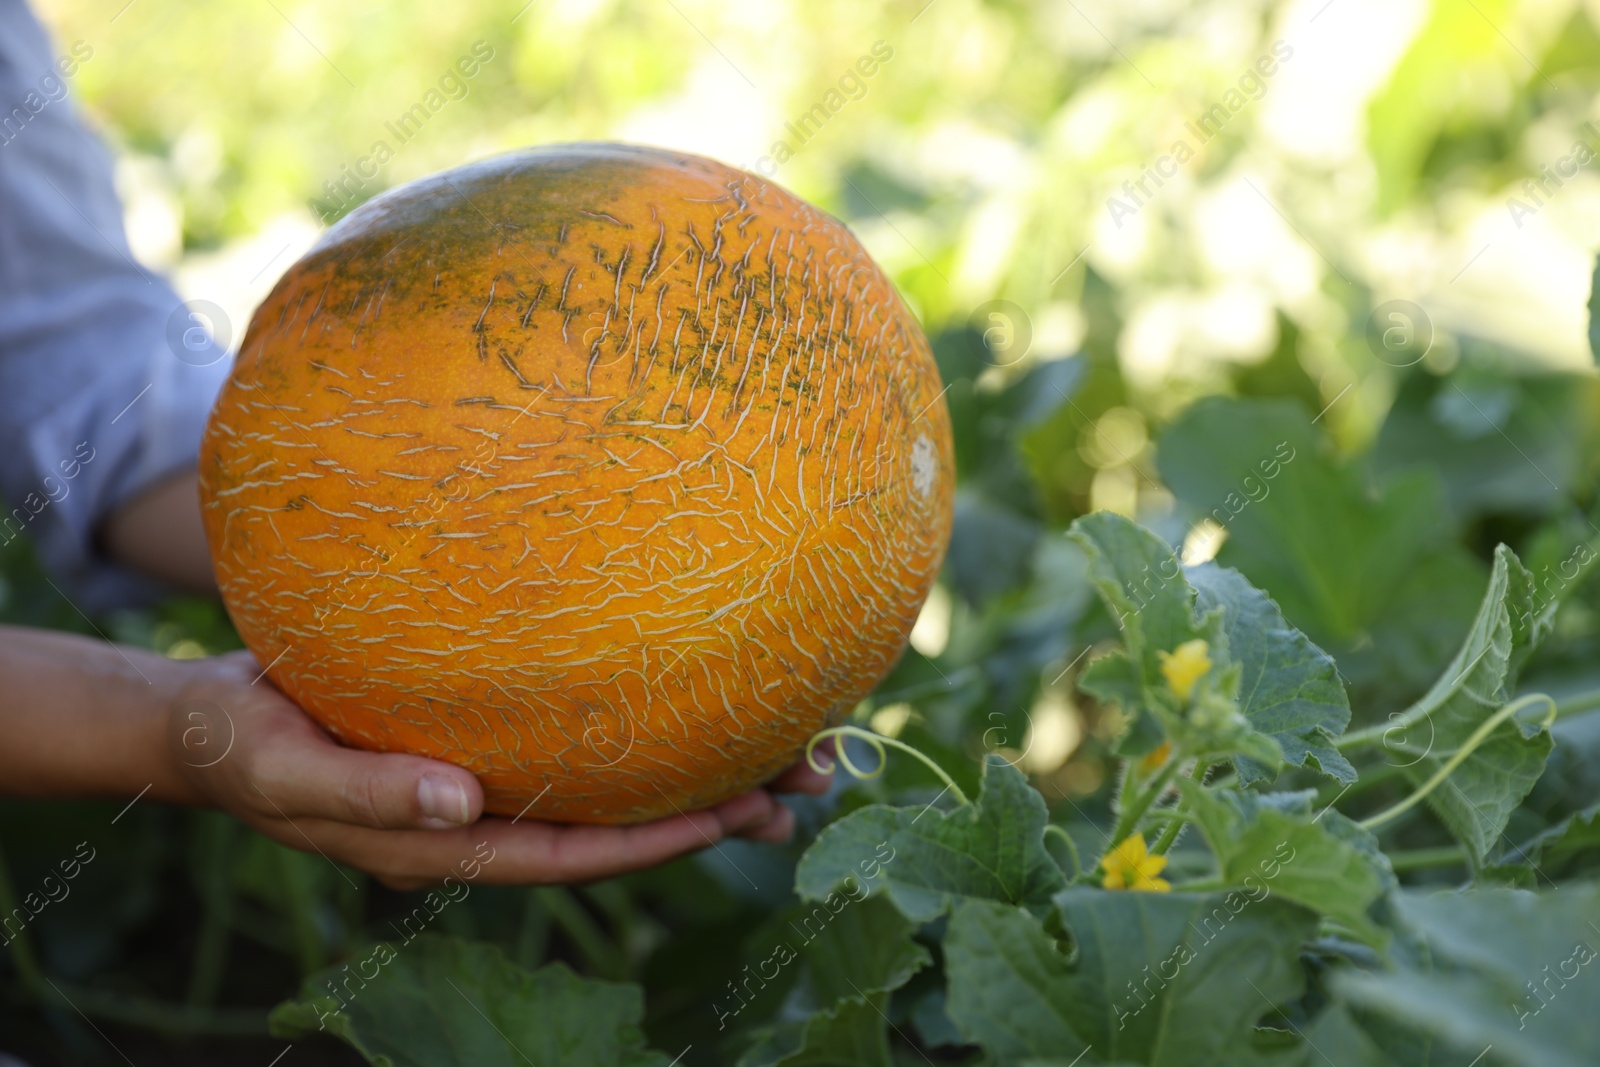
x=1222 y=915
x=609 y=473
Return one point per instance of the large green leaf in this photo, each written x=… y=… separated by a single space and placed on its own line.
x=1460 y=427
x=990 y=547
x=853 y=958
x=441 y=1002
x=851 y=851
x=1289 y=688
x=1143 y=587
x=1168 y=980
x=1477 y=799
x=852 y=1034
x=1571 y=847
x=926 y=858
x=1338 y=1037
x=1370 y=577
x=1275 y=846
x=1507 y=968
x=867 y=948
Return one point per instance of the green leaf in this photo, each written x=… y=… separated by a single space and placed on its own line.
x=1477 y=800
x=990 y=547
x=439 y=1002
x=849 y=852
x=1270 y=848
x=1503 y=967
x=1340 y=560
x=1114 y=679
x=1570 y=847
x=1289 y=688
x=1457 y=426
x=1339 y=1038
x=933 y=1026
x=1168 y=980
x=1142 y=584
x=850 y=1035
x=926 y=858
x=866 y=948
x=853 y=958
x=988 y=427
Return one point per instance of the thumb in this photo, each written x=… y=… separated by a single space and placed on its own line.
x=314 y=777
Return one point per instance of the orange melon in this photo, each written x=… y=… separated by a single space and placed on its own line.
x=608 y=473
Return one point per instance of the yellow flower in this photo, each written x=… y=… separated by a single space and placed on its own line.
x=1184 y=666
x=1130 y=866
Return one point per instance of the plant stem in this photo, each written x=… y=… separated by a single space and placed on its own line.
x=1072 y=847
x=585 y=934
x=1374 y=735
x=149 y=1014
x=1476 y=738
x=1200 y=885
x=217 y=834
x=132 y=1010
x=535 y=934
x=1578 y=705
x=1175 y=827
x=1422 y=858
x=1132 y=812
x=300 y=906
x=616 y=906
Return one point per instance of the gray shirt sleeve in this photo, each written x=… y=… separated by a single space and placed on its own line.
x=103 y=388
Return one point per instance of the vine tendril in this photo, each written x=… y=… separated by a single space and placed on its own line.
x=880 y=745
x=1476 y=738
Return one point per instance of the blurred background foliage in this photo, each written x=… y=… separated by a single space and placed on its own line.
x=1134 y=305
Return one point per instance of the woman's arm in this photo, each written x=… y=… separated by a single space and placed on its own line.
x=85 y=718
x=159 y=533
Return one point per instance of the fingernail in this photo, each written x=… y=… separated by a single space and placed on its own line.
x=443 y=799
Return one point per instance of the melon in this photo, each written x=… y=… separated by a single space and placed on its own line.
x=608 y=473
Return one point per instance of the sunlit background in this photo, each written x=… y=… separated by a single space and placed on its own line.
x=1197 y=197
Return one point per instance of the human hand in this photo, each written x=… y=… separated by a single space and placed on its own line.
x=407 y=820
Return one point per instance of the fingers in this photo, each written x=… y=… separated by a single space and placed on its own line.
x=499 y=852
x=289 y=769
x=412 y=821
x=776 y=831
x=320 y=780
x=745 y=812
x=579 y=853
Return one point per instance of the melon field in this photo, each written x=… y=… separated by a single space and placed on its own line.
x=1250 y=716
